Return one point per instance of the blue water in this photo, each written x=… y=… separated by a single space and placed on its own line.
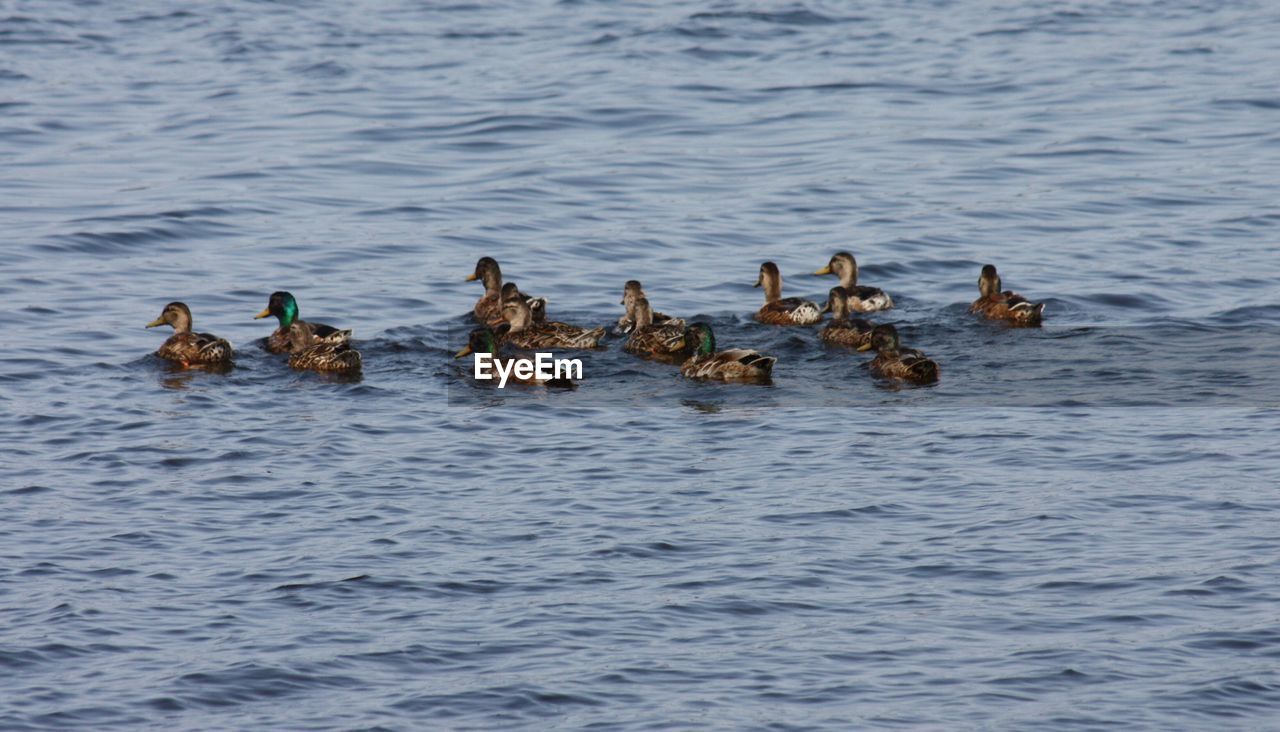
x=1075 y=529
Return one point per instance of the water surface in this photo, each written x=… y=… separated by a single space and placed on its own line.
x=1075 y=529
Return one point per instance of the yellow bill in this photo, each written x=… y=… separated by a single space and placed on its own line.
x=264 y=314
x=466 y=351
x=824 y=271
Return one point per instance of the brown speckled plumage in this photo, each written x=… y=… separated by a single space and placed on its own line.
x=188 y=348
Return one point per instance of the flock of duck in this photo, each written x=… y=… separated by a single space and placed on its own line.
x=510 y=318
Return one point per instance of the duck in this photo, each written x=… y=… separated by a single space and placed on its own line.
x=285 y=308
x=186 y=347
x=651 y=339
x=861 y=299
x=698 y=344
x=307 y=353
x=525 y=333
x=488 y=308
x=892 y=361
x=777 y=311
x=486 y=340
x=843 y=330
x=632 y=291
x=1007 y=306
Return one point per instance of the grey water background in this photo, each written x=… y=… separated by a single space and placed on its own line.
x=1076 y=529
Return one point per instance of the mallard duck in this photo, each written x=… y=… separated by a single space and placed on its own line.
x=309 y=354
x=285 y=308
x=652 y=339
x=892 y=361
x=485 y=340
x=186 y=347
x=488 y=308
x=1007 y=306
x=843 y=330
x=630 y=293
x=525 y=333
x=861 y=299
x=777 y=311
x=698 y=343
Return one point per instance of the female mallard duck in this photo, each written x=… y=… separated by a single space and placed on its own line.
x=485 y=340
x=843 y=330
x=698 y=343
x=1007 y=306
x=892 y=361
x=861 y=299
x=285 y=308
x=186 y=347
x=525 y=333
x=652 y=339
x=309 y=354
x=488 y=308
x=777 y=311
x=631 y=292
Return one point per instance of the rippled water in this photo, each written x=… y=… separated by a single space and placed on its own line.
x=1075 y=529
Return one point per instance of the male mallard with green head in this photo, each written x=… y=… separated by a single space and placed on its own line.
x=485 y=340
x=776 y=310
x=285 y=308
x=843 y=330
x=631 y=292
x=892 y=361
x=1008 y=306
x=861 y=299
x=525 y=333
x=651 y=339
x=307 y=353
x=186 y=347
x=488 y=308
x=698 y=344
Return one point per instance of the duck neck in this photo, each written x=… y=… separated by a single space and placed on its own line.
x=492 y=279
x=772 y=288
x=182 y=323
x=849 y=276
x=288 y=314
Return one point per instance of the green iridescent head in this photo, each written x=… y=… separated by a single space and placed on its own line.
x=283 y=306
x=697 y=340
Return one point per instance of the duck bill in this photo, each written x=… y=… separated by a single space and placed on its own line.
x=827 y=307
x=266 y=313
x=471 y=277
x=464 y=352
x=865 y=347
x=759 y=280
x=824 y=271
x=156 y=322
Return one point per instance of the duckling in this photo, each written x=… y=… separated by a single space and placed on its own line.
x=186 y=347
x=285 y=308
x=485 y=340
x=892 y=361
x=776 y=311
x=488 y=308
x=630 y=293
x=843 y=330
x=307 y=353
x=698 y=344
x=525 y=333
x=651 y=339
x=861 y=299
x=1007 y=306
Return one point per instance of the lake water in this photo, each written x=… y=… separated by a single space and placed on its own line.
x=1075 y=529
